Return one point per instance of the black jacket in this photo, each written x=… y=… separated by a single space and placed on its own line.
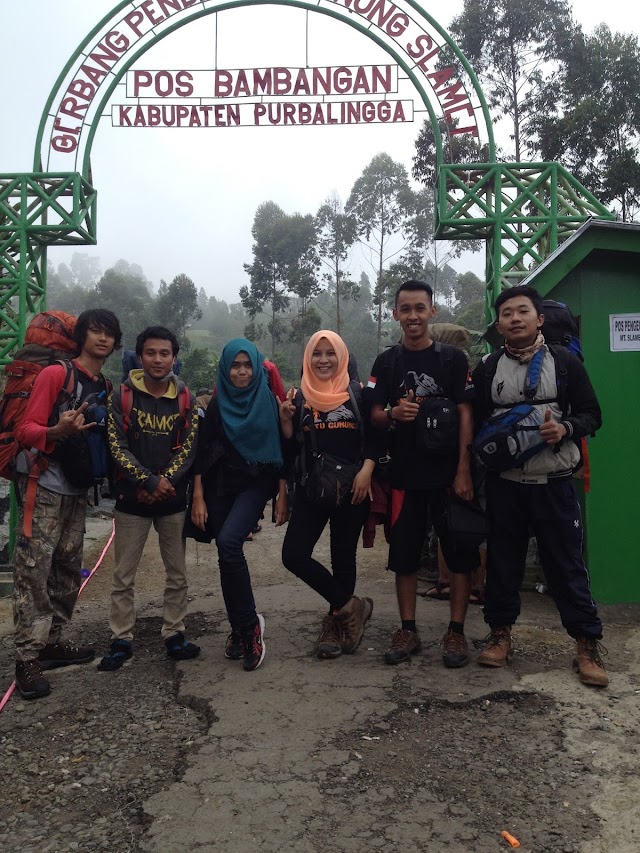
x=576 y=397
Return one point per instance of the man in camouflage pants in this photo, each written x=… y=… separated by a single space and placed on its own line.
x=47 y=563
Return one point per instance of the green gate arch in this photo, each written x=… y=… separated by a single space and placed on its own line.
x=522 y=210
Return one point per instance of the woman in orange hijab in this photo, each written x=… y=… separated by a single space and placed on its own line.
x=334 y=429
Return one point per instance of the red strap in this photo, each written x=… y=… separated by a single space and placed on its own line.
x=38 y=465
x=586 y=465
x=126 y=404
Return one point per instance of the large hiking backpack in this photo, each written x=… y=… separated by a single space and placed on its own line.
x=561 y=327
x=48 y=340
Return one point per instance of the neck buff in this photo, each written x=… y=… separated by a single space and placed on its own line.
x=325 y=394
x=525 y=354
x=249 y=415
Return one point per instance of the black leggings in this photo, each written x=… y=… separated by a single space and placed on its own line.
x=305 y=528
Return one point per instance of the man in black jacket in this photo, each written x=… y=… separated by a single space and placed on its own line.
x=152 y=438
x=538 y=496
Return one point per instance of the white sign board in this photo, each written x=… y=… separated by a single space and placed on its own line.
x=624 y=332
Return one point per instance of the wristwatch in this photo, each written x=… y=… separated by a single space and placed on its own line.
x=390 y=421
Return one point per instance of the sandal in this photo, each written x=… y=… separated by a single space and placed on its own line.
x=476 y=596
x=439 y=592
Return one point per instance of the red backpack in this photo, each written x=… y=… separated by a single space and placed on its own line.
x=48 y=339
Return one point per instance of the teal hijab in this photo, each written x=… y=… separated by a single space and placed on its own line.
x=249 y=415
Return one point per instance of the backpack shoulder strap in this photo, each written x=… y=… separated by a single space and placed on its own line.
x=355 y=392
x=126 y=404
x=561 y=360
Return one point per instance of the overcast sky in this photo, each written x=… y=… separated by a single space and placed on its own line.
x=183 y=201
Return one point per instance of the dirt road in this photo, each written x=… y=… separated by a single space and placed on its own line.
x=307 y=755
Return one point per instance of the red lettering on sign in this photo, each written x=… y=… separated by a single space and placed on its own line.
x=169 y=4
x=281 y=81
x=361 y=83
x=259 y=110
x=187 y=3
x=117 y=41
x=146 y=8
x=342 y=80
x=141 y=80
x=423 y=43
x=439 y=78
x=123 y=117
x=81 y=89
x=71 y=107
x=57 y=125
x=222 y=86
x=65 y=144
x=184 y=84
x=301 y=85
x=242 y=85
x=96 y=75
x=473 y=130
x=133 y=19
x=166 y=89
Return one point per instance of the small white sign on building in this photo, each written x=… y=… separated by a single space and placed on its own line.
x=624 y=332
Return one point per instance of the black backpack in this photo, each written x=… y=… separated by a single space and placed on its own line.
x=437 y=422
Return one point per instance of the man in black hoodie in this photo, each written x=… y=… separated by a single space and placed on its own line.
x=152 y=438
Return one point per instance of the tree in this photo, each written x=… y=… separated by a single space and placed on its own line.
x=177 y=304
x=128 y=297
x=85 y=269
x=512 y=44
x=200 y=369
x=381 y=202
x=589 y=118
x=284 y=262
x=267 y=285
x=336 y=235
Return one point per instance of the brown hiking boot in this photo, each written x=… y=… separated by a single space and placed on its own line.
x=455 y=651
x=498 y=649
x=352 y=619
x=329 y=642
x=588 y=662
x=64 y=654
x=30 y=681
x=403 y=644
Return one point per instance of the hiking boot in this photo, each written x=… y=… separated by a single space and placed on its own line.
x=588 y=662
x=30 y=681
x=329 y=643
x=253 y=645
x=403 y=644
x=498 y=649
x=234 y=650
x=179 y=649
x=455 y=651
x=352 y=618
x=119 y=653
x=64 y=654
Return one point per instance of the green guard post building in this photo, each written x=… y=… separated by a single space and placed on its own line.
x=596 y=272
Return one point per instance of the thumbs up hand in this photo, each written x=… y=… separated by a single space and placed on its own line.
x=551 y=430
x=407 y=409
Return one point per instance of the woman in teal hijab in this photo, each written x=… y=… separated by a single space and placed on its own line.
x=237 y=469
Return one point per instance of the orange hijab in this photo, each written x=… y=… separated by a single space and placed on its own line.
x=325 y=394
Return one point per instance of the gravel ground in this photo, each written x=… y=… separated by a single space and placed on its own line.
x=305 y=754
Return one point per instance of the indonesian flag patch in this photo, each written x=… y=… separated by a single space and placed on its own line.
x=372 y=382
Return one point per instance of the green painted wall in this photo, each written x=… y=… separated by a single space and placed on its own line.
x=608 y=283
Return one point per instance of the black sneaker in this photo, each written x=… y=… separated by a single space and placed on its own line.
x=30 y=681
x=234 y=648
x=253 y=645
x=119 y=653
x=64 y=654
x=179 y=649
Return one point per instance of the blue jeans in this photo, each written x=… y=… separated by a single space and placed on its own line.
x=244 y=512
